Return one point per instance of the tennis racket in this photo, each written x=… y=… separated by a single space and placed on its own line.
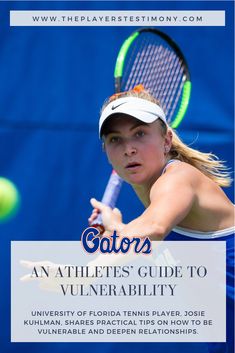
x=151 y=58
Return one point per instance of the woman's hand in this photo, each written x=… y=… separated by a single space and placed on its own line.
x=112 y=219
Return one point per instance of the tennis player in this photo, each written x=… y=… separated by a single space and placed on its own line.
x=179 y=186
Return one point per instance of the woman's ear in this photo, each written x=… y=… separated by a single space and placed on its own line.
x=168 y=141
x=103 y=147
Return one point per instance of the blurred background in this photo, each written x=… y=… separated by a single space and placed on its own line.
x=53 y=81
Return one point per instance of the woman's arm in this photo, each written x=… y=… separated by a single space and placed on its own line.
x=171 y=199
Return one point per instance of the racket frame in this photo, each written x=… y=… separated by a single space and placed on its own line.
x=120 y=62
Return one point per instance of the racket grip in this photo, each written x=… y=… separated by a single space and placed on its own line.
x=109 y=198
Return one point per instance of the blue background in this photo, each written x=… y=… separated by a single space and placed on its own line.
x=53 y=81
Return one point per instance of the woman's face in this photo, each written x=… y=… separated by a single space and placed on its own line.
x=137 y=151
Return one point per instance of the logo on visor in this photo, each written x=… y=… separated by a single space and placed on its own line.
x=116 y=106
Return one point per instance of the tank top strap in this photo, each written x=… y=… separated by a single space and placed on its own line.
x=169 y=162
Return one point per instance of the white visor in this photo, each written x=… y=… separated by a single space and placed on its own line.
x=138 y=108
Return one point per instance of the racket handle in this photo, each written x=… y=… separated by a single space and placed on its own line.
x=109 y=198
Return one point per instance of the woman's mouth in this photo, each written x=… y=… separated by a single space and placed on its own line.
x=133 y=166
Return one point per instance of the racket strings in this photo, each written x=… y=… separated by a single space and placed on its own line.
x=139 y=68
x=145 y=67
x=174 y=84
x=175 y=88
x=159 y=69
x=167 y=73
x=152 y=71
x=160 y=73
x=133 y=69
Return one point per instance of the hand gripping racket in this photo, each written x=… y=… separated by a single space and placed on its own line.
x=151 y=58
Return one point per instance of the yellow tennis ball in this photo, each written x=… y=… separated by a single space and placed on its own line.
x=9 y=199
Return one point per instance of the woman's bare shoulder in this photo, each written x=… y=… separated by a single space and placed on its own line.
x=179 y=169
x=176 y=178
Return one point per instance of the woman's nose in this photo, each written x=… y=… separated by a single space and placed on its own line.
x=130 y=150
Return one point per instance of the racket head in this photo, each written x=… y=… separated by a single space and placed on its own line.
x=151 y=58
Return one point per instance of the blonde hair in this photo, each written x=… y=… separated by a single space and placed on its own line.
x=208 y=163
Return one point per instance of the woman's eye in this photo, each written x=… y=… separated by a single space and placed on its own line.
x=140 y=133
x=114 y=139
